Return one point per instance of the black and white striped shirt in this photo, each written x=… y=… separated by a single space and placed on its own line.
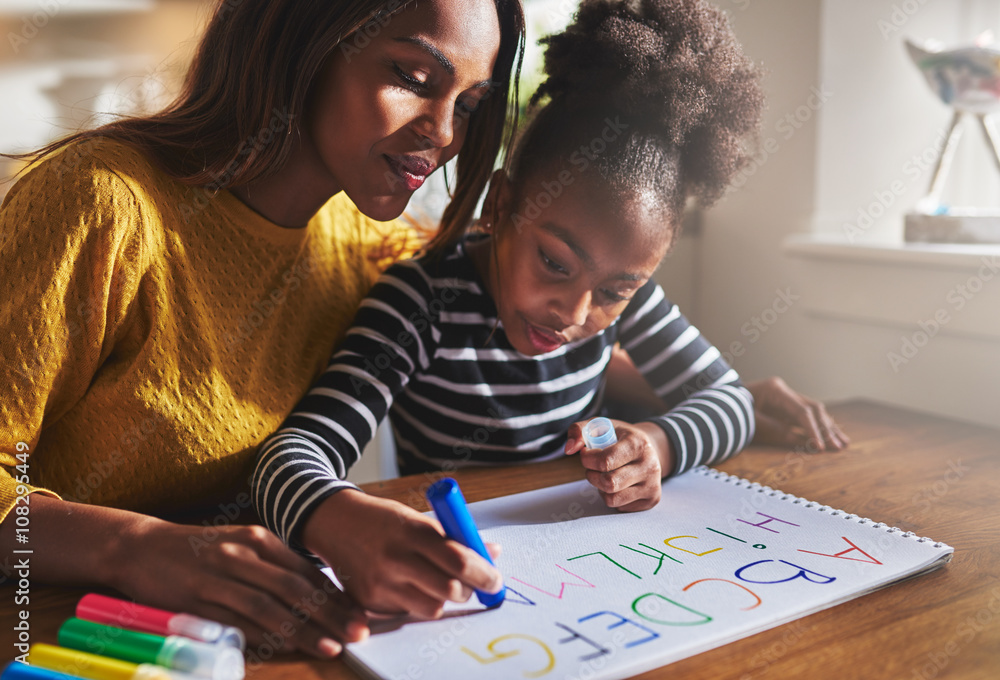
x=425 y=348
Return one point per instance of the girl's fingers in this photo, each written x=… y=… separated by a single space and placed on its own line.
x=464 y=565
x=634 y=498
x=612 y=458
x=428 y=578
x=574 y=438
x=458 y=562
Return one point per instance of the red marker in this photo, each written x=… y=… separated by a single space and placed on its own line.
x=113 y=612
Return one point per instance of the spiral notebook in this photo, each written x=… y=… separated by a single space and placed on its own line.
x=595 y=593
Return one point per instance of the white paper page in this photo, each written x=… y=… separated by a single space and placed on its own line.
x=595 y=593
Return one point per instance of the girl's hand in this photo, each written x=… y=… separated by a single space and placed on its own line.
x=242 y=576
x=627 y=474
x=786 y=418
x=394 y=560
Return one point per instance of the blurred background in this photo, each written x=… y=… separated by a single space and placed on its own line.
x=800 y=271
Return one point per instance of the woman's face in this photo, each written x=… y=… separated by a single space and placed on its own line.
x=567 y=270
x=391 y=104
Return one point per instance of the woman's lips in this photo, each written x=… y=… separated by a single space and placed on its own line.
x=542 y=339
x=412 y=171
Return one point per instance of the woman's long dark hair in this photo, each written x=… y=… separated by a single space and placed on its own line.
x=250 y=77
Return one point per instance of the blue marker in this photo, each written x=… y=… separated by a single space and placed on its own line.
x=449 y=506
x=16 y=670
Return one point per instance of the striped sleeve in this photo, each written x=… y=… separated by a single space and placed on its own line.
x=710 y=412
x=306 y=460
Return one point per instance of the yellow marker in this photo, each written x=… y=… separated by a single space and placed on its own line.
x=97 y=667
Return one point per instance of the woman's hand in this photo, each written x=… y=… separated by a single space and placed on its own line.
x=242 y=576
x=787 y=418
x=626 y=474
x=394 y=560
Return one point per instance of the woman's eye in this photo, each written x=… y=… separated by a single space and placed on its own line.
x=409 y=81
x=550 y=263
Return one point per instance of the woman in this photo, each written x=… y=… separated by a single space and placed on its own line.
x=175 y=283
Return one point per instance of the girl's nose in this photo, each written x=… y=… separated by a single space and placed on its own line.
x=575 y=308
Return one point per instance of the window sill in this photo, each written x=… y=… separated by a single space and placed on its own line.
x=955 y=289
x=932 y=255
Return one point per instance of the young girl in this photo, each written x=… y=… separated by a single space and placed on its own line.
x=491 y=348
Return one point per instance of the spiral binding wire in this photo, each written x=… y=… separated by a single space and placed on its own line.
x=796 y=500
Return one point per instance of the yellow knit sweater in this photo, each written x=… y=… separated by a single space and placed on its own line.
x=152 y=335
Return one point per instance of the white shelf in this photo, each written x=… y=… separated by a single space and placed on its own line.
x=26 y=8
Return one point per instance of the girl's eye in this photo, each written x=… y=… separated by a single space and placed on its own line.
x=409 y=81
x=613 y=297
x=551 y=264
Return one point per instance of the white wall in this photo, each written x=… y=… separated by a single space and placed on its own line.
x=858 y=306
x=741 y=272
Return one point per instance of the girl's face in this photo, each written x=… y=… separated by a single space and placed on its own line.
x=567 y=271
x=388 y=110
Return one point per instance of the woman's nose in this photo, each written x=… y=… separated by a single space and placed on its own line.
x=437 y=124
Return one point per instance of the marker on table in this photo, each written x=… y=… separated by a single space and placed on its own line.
x=94 y=667
x=217 y=662
x=599 y=433
x=449 y=506
x=16 y=670
x=114 y=612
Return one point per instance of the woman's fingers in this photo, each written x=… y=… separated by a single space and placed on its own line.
x=295 y=583
x=274 y=622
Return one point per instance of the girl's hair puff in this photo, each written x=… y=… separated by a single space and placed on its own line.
x=667 y=79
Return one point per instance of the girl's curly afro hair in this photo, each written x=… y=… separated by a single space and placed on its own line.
x=672 y=74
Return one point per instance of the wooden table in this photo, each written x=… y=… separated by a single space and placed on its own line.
x=933 y=476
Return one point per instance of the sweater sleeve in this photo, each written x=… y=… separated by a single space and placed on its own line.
x=305 y=461
x=69 y=240
x=710 y=412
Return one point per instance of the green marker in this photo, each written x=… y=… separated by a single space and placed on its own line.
x=217 y=662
